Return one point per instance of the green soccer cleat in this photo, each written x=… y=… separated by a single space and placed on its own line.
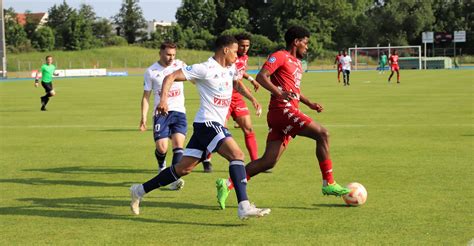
x=335 y=190
x=222 y=192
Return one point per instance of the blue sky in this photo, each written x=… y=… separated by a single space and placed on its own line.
x=152 y=9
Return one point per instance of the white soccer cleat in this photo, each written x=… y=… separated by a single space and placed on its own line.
x=247 y=210
x=176 y=185
x=136 y=198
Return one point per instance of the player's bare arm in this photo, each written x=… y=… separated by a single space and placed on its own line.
x=312 y=105
x=244 y=91
x=145 y=105
x=263 y=78
x=177 y=75
x=255 y=84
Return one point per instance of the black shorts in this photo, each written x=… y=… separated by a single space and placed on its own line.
x=345 y=71
x=47 y=86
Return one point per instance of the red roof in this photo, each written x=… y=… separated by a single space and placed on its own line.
x=36 y=17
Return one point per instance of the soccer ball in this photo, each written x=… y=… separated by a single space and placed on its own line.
x=357 y=196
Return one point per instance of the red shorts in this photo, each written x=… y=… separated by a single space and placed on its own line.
x=339 y=68
x=286 y=123
x=395 y=68
x=237 y=108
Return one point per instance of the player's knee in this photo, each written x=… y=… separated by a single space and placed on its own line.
x=161 y=149
x=247 y=130
x=182 y=170
x=237 y=155
x=269 y=161
x=323 y=134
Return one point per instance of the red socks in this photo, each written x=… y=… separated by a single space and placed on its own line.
x=251 y=144
x=326 y=171
x=230 y=184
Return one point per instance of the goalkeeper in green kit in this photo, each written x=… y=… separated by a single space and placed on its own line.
x=382 y=62
x=47 y=71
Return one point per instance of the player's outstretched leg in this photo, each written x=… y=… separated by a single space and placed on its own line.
x=177 y=155
x=231 y=151
x=273 y=151
x=321 y=135
x=164 y=178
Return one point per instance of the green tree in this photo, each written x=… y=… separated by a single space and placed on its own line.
x=130 y=20
x=261 y=45
x=30 y=25
x=401 y=22
x=43 y=39
x=238 y=19
x=58 y=19
x=102 y=28
x=197 y=15
x=15 y=36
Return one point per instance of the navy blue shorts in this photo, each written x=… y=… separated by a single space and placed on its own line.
x=165 y=126
x=206 y=138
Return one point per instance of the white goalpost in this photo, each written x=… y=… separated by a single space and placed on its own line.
x=367 y=58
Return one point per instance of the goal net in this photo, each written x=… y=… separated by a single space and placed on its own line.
x=367 y=58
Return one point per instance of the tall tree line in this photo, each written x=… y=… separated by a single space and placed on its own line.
x=335 y=24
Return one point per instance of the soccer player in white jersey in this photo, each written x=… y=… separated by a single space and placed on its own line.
x=173 y=125
x=346 y=67
x=214 y=80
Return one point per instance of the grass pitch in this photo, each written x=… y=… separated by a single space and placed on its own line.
x=65 y=173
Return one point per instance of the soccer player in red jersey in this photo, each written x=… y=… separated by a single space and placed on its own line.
x=393 y=62
x=238 y=108
x=281 y=75
x=337 y=62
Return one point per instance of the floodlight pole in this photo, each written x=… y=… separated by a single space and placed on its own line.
x=2 y=40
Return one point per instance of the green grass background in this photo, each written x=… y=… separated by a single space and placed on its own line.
x=65 y=173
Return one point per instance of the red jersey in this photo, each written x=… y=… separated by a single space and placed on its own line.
x=241 y=66
x=337 y=61
x=393 y=60
x=286 y=73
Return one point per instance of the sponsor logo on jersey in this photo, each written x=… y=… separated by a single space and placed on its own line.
x=272 y=59
x=222 y=102
x=189 y=68
x=174 y=93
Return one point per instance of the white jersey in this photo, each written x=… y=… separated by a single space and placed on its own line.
x=214 y=84
x=345 y=62
x=154 y=76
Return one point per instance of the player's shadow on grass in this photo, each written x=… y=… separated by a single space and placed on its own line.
x=324 y=205
x=108 y=170
x=42 y=181
x=99 y=203
x=92 y=207
x=91 y=170
x=78 y=214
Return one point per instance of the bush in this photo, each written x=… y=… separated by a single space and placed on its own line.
x=43 y=39
x=197 y=44
x=234 y=31
x=22 y=48
x=261 y=45
x=116 y=41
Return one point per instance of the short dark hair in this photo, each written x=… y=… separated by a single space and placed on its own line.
x=295 y=32
x=48 y=56
x=167 y=45
x=243 y=36
x=224 y=40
